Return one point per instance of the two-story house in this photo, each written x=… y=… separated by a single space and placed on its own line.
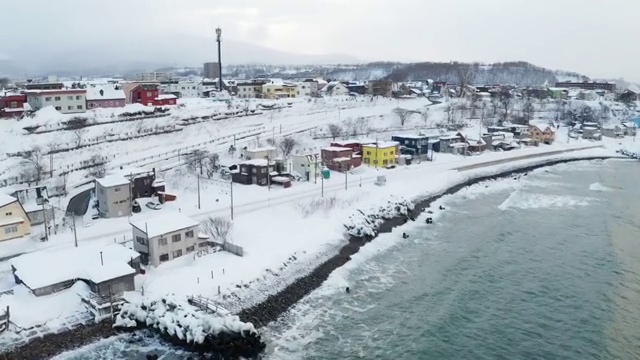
x=254 y=172
x=114 y=196
x=542 y=133
x=12 y=105
x=339 y=158
x=416 y=144
x=144 y=93
x=250 y=89
x=66 y=101
x=380 y=153
x=105 y=97
x=14 y=222
x=165 y=237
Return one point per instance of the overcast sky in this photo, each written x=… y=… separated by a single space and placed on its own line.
x=590 y=36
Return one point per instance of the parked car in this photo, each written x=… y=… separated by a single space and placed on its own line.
x=153 y=205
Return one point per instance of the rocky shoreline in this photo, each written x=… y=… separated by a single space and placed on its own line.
x=275 y=305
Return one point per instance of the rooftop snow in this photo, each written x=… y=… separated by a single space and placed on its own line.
x=166 y=96
x=164 y=223
x=108 y=93
x=255 y=162
x=112 y=180
x=383 y=144
x=336 y=148
x=6 y=199
x=44 y=268
x=11 y=220
x=261 y=149
x=346 y=142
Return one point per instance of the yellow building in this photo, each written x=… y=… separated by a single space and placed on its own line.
x=14 y=222
x=381 y=153
x=277 y=89
x=542 y=133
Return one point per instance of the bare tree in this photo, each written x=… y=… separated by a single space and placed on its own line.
x=219 y=229
x=528 y=109
x=79 y=135
x=506 y=103
x=32 y=160
x=99 y=170
x=210 y=162
x=465 y=74
x=195 y=160
x=560 y=108
x=335 y=131
x=287 y=145
x=495 y=104
x=271 y=141
x=424 y=114
x=402 y=114
x=361 y=125
x=61 y=184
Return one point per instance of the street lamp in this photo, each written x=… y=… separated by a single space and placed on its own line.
x=219 y=40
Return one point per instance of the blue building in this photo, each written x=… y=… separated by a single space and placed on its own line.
x=415 y=144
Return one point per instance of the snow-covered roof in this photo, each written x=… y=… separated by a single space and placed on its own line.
x=383 y=144
x=6 y=199
x=11 y=220
x=346 y=142
x=413 y=136
x=43 y=268
x=280 y=179
x=336 y=148
x=157 y=182
x=341 y=159
x=112 y=180
x=105 y=93
x=255 y=162
x=164 y=223
x=166 y=96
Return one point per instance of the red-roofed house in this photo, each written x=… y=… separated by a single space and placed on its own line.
x=144 y=93
x=12 y=105
x=339 y=158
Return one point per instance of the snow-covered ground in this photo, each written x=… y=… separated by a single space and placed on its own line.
x=284 y=232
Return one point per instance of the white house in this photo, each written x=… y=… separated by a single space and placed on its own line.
x=186 y=88
x=307 y=88
x=308 y=166
x=165 y=237
x=334 y=88
x=267 y=152
x=66 y=101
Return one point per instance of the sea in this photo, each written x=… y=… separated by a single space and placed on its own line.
x=538 y=266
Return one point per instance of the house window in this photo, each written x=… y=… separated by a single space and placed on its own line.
x=148 y=93
x=8 y=214
x=263 y=170
x=384 y=162
x=77 y=97
x=164 y=257
x=57 y=98
x=11 y=229
x=162 y=241
x=79 y=107
x=384 y=154
x=177 y=253
x=69 y=107
x=141 y=240
x=203 y=244
x=368 y=152
x=188 y=234
x=116 y=189
x=392 y=152
x=253 y=170
x=191 y=248
x=48 y=98
x=176 y=238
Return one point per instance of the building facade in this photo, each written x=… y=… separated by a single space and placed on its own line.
x=154 y=76
x=380 y=88
x=211 y=70
x=381 y=153
x=587 y=85
x=165 y=237
x=66 y=101
x=12 y=105
x=254 y=172
x=307 y=88
x=339 y=158
x=114 y=196
x=250 y=89
x=105 y=97
x=14 y=221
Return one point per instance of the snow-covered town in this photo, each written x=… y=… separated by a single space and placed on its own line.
x=139 y=199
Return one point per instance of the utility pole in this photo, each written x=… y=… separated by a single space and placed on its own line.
x=51 y=164
x=345 y=179
x=75 y=233
x=219 y=40
x=322 y=181
x=269 y=173
x=198 y=176
x=130 y=194
x=231 y=185
x=44 y=215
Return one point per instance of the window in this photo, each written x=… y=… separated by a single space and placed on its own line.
x=69 y=97
x=384 y=153
x=11 y=229
x=368 y=152
x=149 y=94
x=191 y=248
x=162 y=241
x=116 y=189
x=164 y=257
x=57 y=98
x=8 y=214
x=177 y=253
x=263 y=170
x=58 y=108
x=77 y=97
x=141 y=240
x=203 y=244
x=188 y=234
x=69 y=107
x=392 y=152
x=253 y=170
x=48 y=98
x=176 y=238
x=79 y=107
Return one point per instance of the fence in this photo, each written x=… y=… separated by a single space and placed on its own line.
x=66 y=127
x=232 y=248
x=5 y=320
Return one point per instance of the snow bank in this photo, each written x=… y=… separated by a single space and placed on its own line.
x=361 y=224
x=631 y=152
x=178 y=318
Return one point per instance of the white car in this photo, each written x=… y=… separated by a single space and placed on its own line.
x=153 y=205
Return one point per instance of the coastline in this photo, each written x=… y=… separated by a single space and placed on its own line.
x=276 y=305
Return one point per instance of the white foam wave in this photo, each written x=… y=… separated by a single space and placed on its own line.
x=520 y=200
x=599 y=187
